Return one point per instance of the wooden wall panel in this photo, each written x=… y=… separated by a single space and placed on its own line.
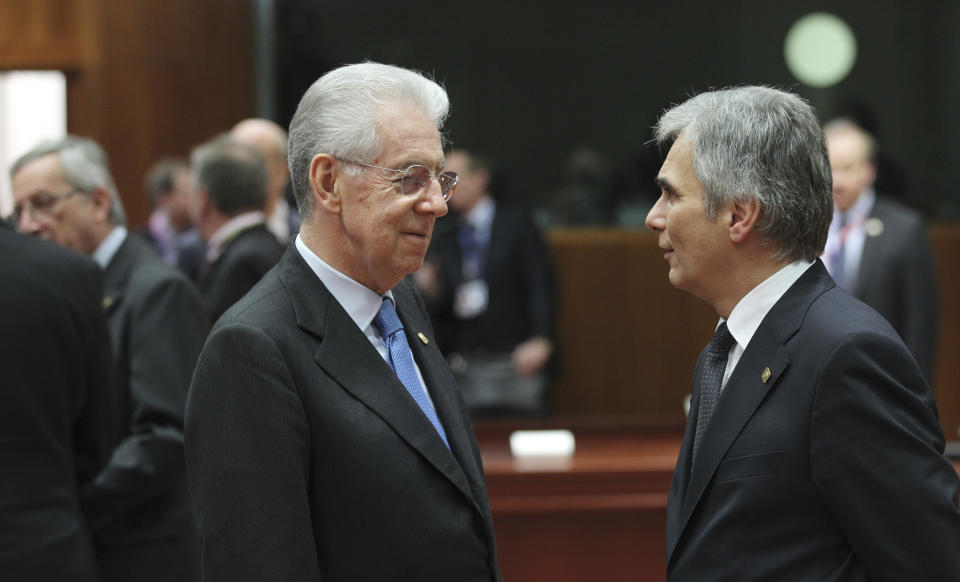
x=171 y=74
x=47 y=34
x=628 y=340
x=946 y=385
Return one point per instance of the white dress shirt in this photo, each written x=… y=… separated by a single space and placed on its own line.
x=109 y=246
x=359 y=301
x=749 y=312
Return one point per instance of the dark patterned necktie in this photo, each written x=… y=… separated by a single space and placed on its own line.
x=713 y=368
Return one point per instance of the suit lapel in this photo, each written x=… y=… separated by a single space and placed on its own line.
x=347 y=356
x=871 y=257
x=443 y=391
x=116 y=275
x=744 y=392
x=681 y=475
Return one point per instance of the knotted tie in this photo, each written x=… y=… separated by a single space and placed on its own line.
x=713 y=368
x=401 y=361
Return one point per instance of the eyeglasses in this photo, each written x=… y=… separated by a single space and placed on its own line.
x=416 y=177
x=40 y=205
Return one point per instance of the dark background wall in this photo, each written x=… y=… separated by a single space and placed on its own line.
x=531 y=83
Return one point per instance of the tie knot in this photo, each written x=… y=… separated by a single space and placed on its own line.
x=387 y=321
x=722 y=340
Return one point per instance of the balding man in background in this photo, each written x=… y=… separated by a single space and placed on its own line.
x=877 y=249
x=230 y=193
x=270 y=140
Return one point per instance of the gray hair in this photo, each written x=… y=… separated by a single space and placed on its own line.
x=162 y=175
x=234 y=175
x=85 y=167
x=765 y=145
x=338 y=116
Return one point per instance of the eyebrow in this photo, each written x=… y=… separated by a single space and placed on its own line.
x=664 y=183
x=435 y=167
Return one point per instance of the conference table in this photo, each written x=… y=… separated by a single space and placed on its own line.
x=597 y=515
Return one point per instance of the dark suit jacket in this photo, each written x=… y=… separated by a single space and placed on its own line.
x=307 y=459
x=57 y=427
x=830 y=470
x=245 y=259
x=157 y=325
x=897 y=277
x=522 y=289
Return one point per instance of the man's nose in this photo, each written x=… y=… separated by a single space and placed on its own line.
x=26 y=223
x=656 y=219
x=431 y=200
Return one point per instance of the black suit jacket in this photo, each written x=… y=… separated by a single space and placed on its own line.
x=827 y=469
x=520 y=278
x=157 y=326
x=307 y=458
x=897 y=277
x=244 y=260
x=57 y=425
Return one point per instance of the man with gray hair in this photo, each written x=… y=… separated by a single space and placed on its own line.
x=137 y=505
x=812 y=449
x=270 y=139
x=325 y=438
x=230 y=191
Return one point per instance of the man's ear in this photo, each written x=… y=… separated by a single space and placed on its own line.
x=324 y=173
x=744 y=215
x=101 y=203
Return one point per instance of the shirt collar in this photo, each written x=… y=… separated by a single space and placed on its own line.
x=109 y=245
x=858 y=213
x=750 y=311
x=359 y=301
x=229 y=229
x=480 y=216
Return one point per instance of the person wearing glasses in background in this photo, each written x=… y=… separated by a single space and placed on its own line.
x=325 y=438
x=137 y=505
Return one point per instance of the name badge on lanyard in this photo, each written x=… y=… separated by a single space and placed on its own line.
x=471 y=299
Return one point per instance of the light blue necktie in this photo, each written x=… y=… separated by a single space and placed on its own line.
x=401 y=361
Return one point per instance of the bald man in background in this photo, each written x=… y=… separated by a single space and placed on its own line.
x=283 y=219
x=877 y=249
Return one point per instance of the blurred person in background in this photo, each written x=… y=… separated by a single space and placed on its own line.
x=170 y=228
x=283 y=218
x=490 y=286
x=137 y=505
x=878 y=249
x=57 y=420
x=230 y=181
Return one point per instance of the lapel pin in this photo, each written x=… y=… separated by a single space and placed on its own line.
x=107 y=302
x=423 y=338
x=765 y=375
x=873 y=227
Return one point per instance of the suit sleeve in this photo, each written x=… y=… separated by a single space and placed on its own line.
x=97 y=428
x=167 y=329
x=876 y=457
x=247 y=451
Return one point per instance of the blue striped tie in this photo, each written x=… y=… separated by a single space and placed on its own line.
x=401 y=361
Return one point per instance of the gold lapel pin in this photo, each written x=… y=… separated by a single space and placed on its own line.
x=107 y=302
x=765 y=375
x=423 y=338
